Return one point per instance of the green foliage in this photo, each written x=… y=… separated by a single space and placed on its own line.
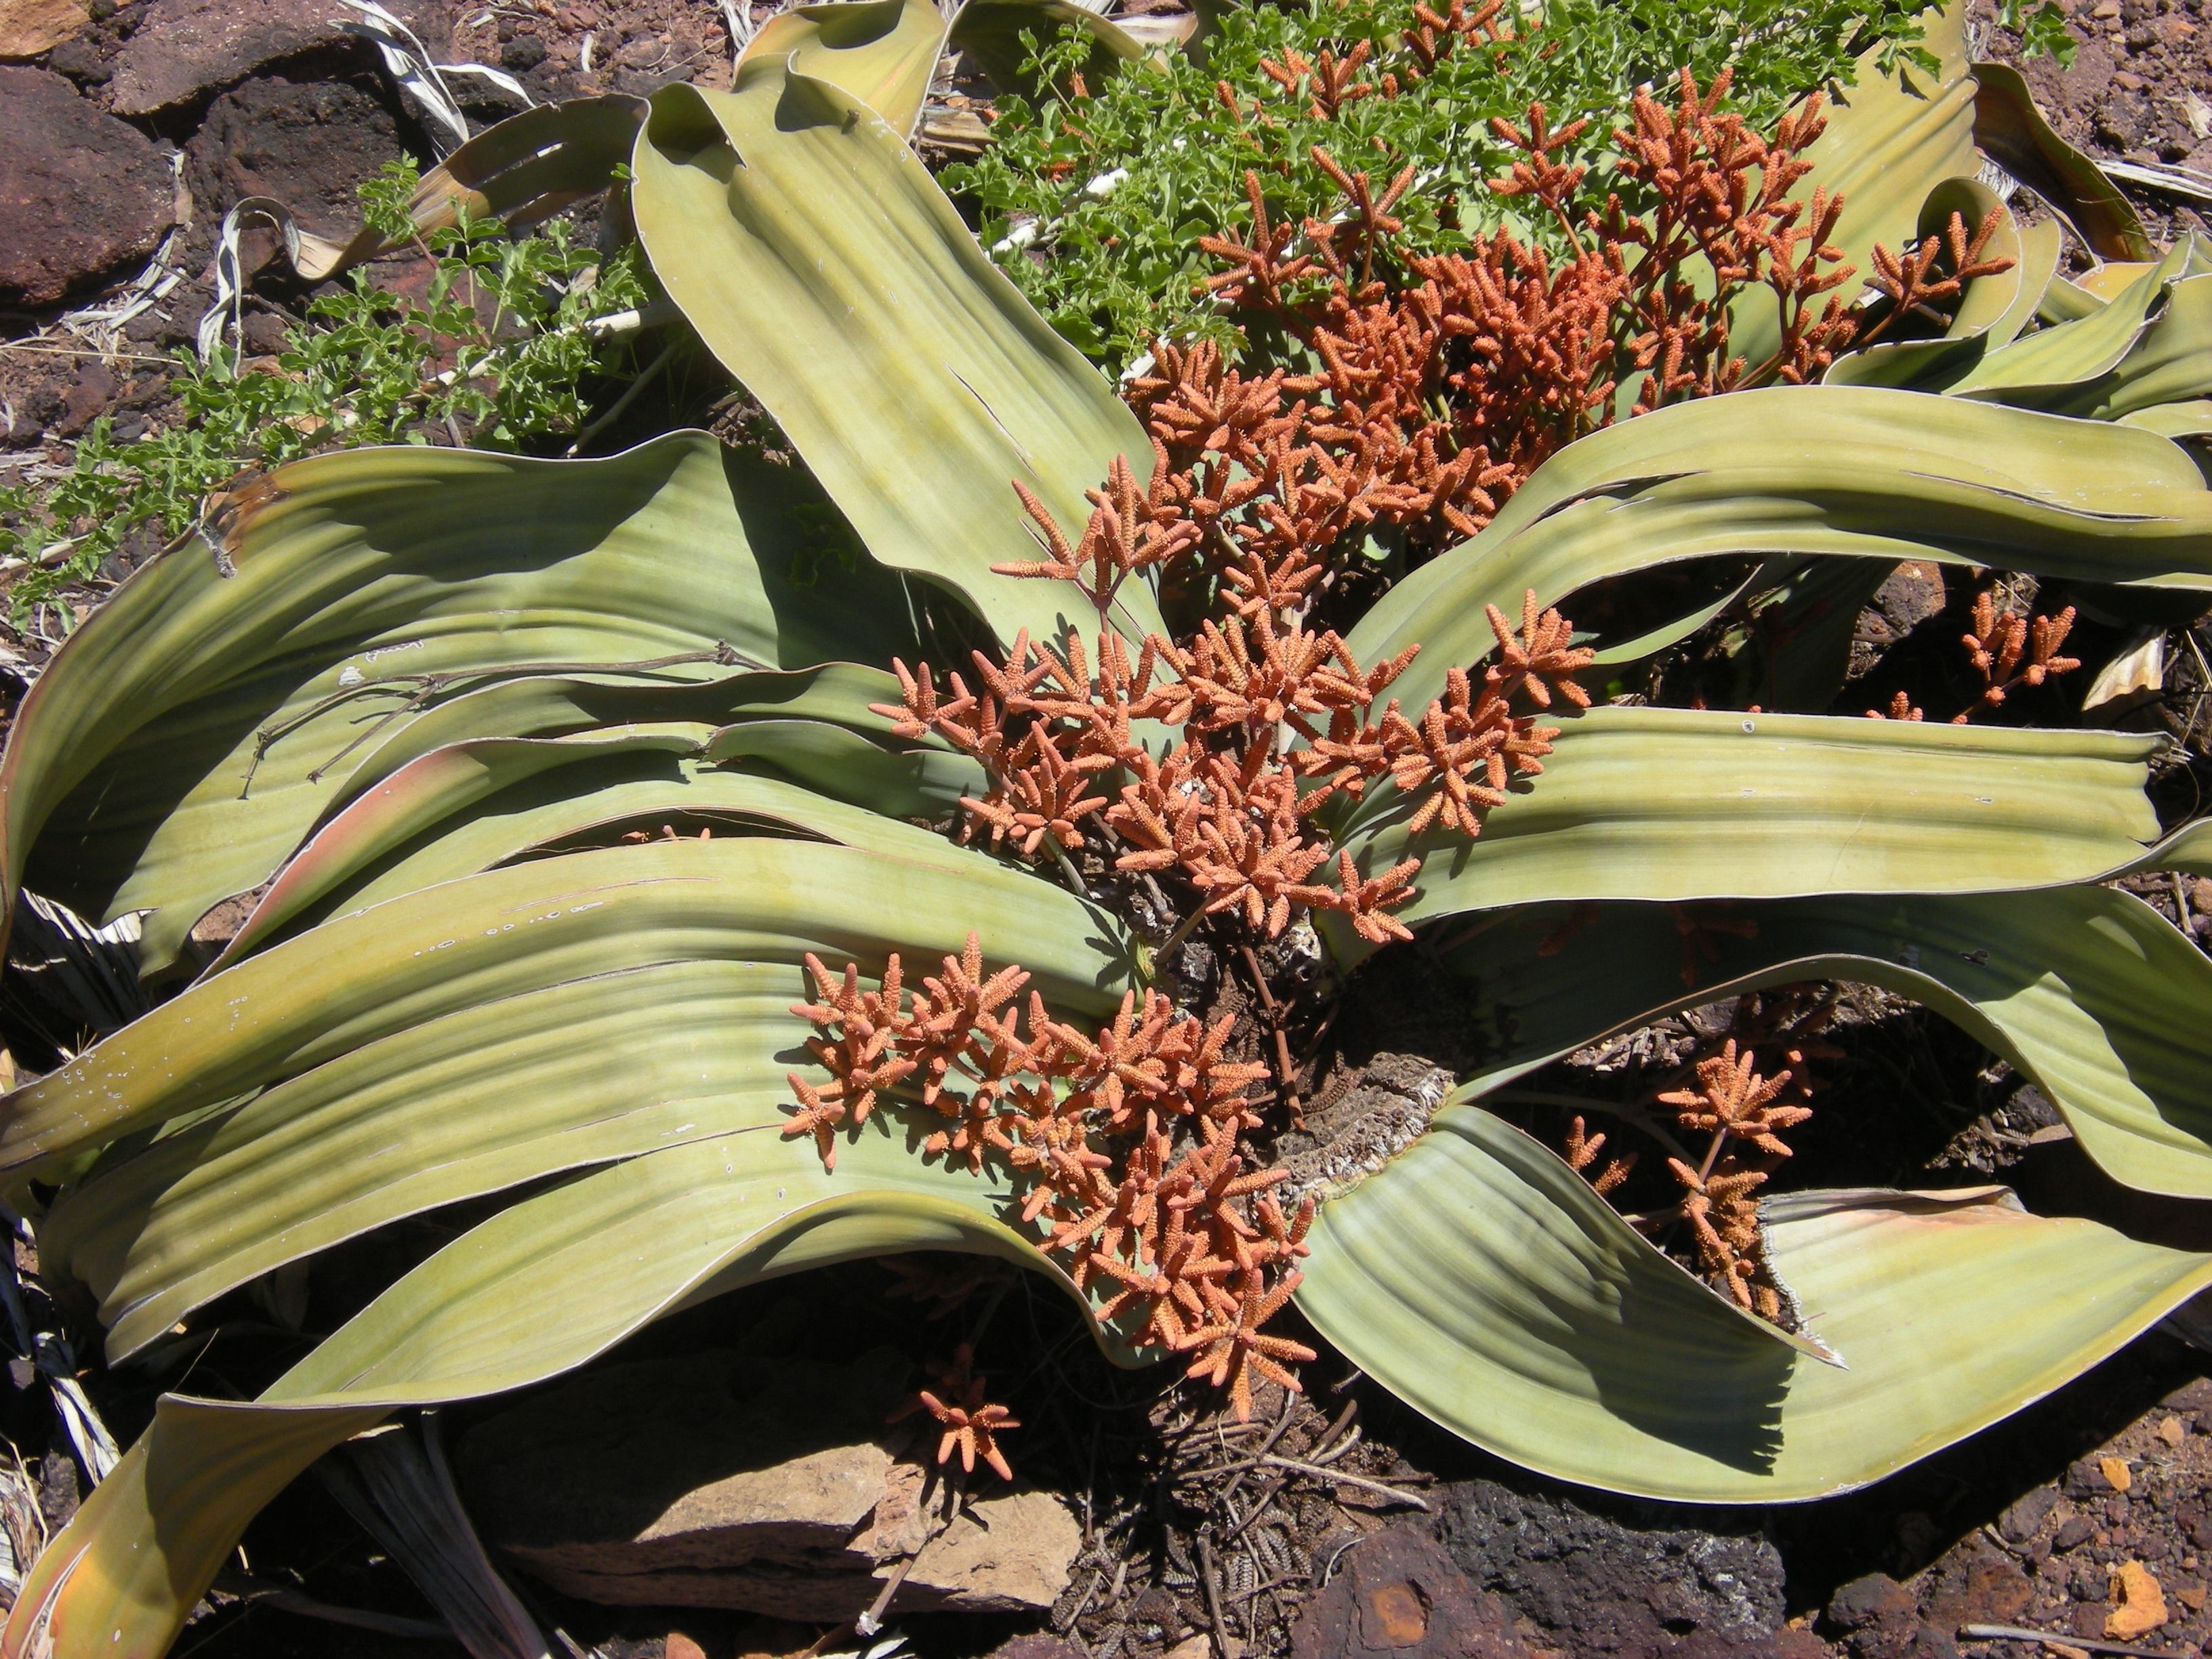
x=1095 y=204
x=492 y=355
x=2041 y=28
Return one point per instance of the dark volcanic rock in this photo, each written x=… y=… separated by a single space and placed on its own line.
x=82 y=61
x=1595 y=1584
x=1398 y=1592
x=308 y=143
x=1877 y=1617
x=186 y=49
x=81 y=194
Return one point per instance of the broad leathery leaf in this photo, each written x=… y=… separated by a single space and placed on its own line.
x=429 y=953
x=520 y=171
x=2146 y=347
x=1890 y=138
x=2192 y=419
x=2187 y=849
x=526 y=169
x=2170 y=364
x=1806 y=628
x=2090 y=993
x=990 y=31
x=1862 y=471
x=561 y=705
x=2064 y=300
x=350 y=577
x=544 y=1287
x=824 y=268
x=431 y=750
x=2106 y=283
x=2012 y=131
x=893 y=781
x=473 y=807
x=587 y=1070
x=883 y=53
x=1992 y=310
x=1477 y=1276
x=477 y=1100
x=1666 y=804
x=558 y=812
x=2047 y=366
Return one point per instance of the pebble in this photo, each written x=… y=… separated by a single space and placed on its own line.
x=2142 y=1606
x=83 y=194
x=2019 y=1522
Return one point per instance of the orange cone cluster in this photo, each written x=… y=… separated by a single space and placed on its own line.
x=1127 y=1133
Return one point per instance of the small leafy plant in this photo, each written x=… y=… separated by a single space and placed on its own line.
x=495 y=355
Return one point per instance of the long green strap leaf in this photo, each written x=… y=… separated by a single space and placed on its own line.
x=1859 y=471
x=1892 y=137
x=138 y=775
x=1660 y=804
x=1477 y=1278
x=476 y=1102
x=2012 y=131
x=445 y=948
x=821 y=264
x=883 y=53
x=471 y=807
x=2092 y=995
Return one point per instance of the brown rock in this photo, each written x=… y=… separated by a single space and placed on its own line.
x=1876 y=1614
x=717 y=1480
x=1993 y=1591
x=28 y=27
x=186 y=49
x=308 y=143
x=2019 y=1521
x=81 y=194
x=1397 y=1593
x=2139 y=1605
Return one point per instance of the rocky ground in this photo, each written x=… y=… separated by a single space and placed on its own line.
x=1340 y=1523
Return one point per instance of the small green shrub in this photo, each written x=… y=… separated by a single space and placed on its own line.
x=366 y=367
